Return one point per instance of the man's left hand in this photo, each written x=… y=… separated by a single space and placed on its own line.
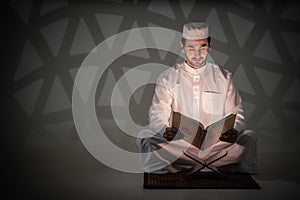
x=229 y=136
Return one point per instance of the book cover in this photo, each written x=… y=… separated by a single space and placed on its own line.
x=195 y=133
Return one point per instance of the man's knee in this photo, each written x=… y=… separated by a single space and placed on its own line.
x=148 y=140
x=247 y=137
x=143 y=136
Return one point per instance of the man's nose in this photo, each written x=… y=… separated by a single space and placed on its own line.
x=198 y=52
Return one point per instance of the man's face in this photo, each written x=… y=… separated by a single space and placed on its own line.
x=196 y=52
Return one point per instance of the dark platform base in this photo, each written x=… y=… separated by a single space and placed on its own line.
x=205 y=180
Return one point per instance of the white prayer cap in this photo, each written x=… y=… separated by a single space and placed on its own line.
x=195 y=31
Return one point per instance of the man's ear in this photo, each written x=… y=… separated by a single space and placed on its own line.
x=209 y=48
x=182 y=47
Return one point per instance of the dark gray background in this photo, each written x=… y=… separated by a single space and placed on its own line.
x=45 y=42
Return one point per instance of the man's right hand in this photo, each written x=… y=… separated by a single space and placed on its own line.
x=170 y=133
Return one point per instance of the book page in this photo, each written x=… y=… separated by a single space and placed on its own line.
x=217 y=128
x=187 y=126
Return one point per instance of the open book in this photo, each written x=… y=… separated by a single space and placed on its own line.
x=195 y=133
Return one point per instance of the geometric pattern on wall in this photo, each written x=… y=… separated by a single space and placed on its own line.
x=256 y=41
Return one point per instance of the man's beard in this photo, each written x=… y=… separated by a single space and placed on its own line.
x=197 y=62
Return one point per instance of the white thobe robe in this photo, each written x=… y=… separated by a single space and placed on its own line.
x=206 y=94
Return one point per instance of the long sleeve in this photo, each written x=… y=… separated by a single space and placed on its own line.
x=160 y=110
x=234 y=105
